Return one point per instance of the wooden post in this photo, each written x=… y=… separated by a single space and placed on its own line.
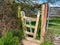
x=44 y=20
x=19 y=10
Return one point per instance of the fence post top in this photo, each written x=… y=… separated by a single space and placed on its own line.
x=22 y=13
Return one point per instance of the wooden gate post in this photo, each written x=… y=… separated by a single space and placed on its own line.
x=19 y=10
x=44 y=20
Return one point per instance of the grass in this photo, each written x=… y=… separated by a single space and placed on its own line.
x=46 y=43
x=57 y=21
x=9 y=39
x=52 y=31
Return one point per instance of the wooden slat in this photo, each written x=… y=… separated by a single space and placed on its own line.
x=54 y=15
x=30 y=26
x=29 y=33
x=29 y=18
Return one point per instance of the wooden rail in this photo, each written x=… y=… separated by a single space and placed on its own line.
x=29 y=18
x=30 y=26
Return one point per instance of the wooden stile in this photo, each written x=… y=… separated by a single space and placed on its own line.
x=43 y=24
x=30 y=26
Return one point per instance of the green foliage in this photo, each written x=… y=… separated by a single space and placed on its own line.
x=47 y=43
x=15 y=8
x=19 y=34
x=8 y=39
x=15 y=11
x=29 y=6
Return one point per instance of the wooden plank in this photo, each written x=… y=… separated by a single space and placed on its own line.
x=30 y=26
x=28 y=42
x=37 y=21
x=32 y=40
x=29 y=33
x=29 y=18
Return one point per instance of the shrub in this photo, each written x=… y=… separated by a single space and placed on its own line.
x=8 y=39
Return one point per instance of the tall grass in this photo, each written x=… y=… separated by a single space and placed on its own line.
x=9 y=39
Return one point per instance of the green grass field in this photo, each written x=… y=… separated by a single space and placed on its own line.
x=56 y=26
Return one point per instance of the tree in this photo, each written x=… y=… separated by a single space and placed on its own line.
x=30 y=2
x=28 y=5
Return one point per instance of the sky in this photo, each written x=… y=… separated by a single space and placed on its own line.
x=42 y=1
x=56 y=4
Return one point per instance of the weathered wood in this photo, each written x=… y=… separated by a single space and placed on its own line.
x=30 y=26
x=23 y=24
x=37 y=21
x=32 y=39
x=44 y=19
x=29 y=33
x=19 y=10
x=28 y=42
x=29 y=18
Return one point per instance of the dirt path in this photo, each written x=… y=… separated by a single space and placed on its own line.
x=26 y=42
